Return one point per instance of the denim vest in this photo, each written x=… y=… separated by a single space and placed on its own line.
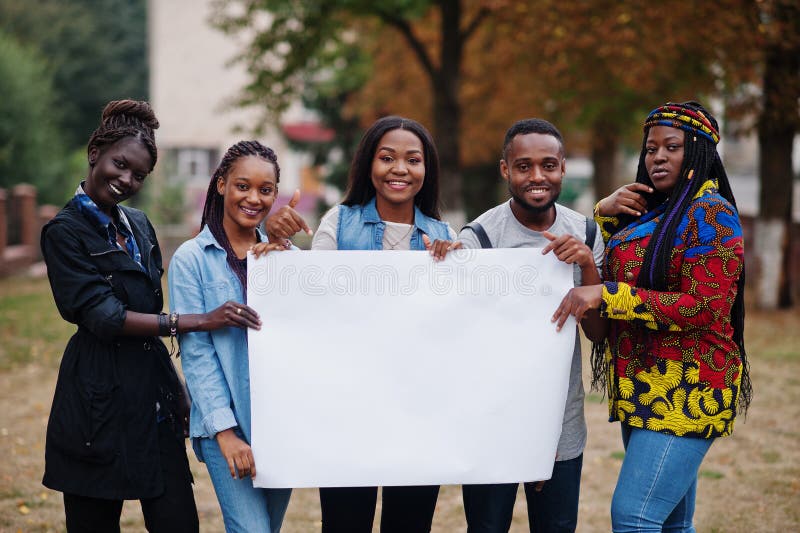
x=361 y=228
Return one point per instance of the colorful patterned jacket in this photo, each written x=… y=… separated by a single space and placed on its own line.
x=674 y=367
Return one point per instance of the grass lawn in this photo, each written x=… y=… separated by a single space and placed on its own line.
x=748 y=482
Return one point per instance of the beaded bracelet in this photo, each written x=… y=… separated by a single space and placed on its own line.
x=173 y=324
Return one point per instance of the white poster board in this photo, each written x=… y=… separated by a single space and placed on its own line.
x=387 y=368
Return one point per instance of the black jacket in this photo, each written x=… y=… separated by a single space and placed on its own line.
x=102 y=437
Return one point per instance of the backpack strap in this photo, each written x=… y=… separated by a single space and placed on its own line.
x=591 y=232
x=483 y=238
x=479 y=232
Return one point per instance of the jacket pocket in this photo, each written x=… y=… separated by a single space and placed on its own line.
x=83 y=422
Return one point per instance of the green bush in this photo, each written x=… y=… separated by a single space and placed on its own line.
x=31 y=150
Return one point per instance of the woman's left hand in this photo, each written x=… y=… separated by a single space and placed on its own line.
x=577 y=302
x=263 y=248
x=438 y=248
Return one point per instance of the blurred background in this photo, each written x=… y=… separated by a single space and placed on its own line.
x=306 y=77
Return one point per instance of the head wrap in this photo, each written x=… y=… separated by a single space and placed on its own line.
x=683 y=116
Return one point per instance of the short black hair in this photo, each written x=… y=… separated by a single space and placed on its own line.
x=531 y=125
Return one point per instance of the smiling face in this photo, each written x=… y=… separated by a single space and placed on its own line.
x=117 y=172
x=534 y=168
x=398 y=171
x=249 y=190
x=664 y=150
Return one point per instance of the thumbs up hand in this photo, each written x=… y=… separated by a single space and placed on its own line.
x=285 y=222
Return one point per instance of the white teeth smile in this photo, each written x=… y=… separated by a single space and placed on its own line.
x=115 y=190
x=536 y=190
x=251 y=212
x=398 y=183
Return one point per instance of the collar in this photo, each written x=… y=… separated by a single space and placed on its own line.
x=88 y=207
x=205 y=238
x=371 y=215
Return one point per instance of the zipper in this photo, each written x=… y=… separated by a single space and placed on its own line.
x=105 y=252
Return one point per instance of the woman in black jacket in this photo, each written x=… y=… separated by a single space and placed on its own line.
x=116 y=427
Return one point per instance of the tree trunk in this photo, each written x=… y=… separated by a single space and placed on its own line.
x=447 y=113
x=777 y=126
x=605 y=144
x=446 y=128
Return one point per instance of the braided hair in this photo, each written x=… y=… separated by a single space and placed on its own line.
x=701 y=162
x=126 y=118
x=214 y=209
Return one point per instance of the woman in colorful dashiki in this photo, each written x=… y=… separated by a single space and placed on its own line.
x=674 y=363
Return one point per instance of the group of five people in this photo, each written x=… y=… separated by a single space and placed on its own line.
x=658 y=290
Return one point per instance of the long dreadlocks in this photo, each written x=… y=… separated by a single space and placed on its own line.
x=701 y=162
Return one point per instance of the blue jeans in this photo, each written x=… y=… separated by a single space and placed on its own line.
x=245 y=509
x=490 y=508
x=657 y=483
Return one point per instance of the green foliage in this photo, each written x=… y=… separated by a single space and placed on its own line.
x=96 y=50
x=327 y=98
x=301 y=41
x=30 y=147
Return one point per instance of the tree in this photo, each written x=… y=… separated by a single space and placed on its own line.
x=778 y=123
x=96 y=50
x=613 y=61
x=30 y=147
x=289 y=40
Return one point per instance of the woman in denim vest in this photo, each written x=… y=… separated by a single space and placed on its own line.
x=206 y=270
x=392 y=203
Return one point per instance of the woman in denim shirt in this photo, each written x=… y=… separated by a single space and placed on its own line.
x=204 y=271
x=392 y=203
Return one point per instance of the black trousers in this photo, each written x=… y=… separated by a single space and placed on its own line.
x=554 y=509
x=403 y=509
x=172 y=512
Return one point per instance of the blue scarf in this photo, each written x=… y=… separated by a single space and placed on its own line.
x=89 y=209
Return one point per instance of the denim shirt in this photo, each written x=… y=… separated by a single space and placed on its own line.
x=215 y=363
x=361 y=228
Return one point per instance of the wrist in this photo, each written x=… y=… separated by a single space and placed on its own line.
x=225 y=434
x=189 y=323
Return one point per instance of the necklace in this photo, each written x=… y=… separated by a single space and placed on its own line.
x=393 y=245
